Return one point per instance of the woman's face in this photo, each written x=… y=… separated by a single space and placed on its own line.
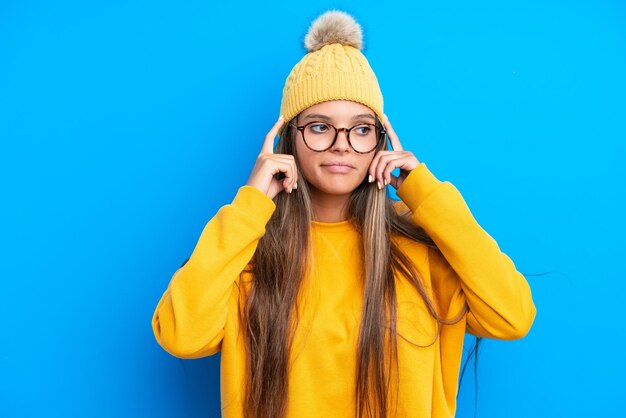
x=319 y=168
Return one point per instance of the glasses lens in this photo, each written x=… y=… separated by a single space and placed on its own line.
x=364 y=137
x=319 y=136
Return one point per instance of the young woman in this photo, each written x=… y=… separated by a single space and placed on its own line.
x=325 y=297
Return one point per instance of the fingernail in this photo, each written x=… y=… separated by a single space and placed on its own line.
x=379 y=185
x=370 y=179
x=281 y=116
x=295 y=186
x=386 y=182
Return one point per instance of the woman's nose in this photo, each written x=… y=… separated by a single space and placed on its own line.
x=341 y=143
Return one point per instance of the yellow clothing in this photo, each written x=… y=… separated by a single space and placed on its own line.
x=197 y=315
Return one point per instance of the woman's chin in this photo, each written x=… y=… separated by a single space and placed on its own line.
x=338 y=186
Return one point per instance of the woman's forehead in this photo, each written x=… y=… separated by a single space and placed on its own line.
x=339 y=110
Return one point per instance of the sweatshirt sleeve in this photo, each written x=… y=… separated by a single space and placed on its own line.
x=498 y=296
x=190 y=317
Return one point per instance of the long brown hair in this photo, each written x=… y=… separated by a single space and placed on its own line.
x=278 y=268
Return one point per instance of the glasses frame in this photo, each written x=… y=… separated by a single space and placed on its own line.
x=381 y=135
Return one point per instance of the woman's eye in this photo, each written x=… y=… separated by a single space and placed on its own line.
x=362 y=130
x=319 y=128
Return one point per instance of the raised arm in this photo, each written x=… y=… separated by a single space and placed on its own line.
x=189 y=319
x=499 y=297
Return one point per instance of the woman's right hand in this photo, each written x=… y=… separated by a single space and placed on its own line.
x=269 y=164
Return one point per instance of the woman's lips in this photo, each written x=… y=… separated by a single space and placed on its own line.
x=337 y=168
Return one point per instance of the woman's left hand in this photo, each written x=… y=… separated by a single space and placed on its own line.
x=385 y=162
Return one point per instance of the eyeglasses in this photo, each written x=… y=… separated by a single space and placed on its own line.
x=320 y=136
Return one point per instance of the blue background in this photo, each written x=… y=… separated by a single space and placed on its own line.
x=124 y=126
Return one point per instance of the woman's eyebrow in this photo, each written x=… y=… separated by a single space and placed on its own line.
x=320 y=116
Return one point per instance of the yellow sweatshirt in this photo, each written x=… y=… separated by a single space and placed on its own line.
x=197 y=315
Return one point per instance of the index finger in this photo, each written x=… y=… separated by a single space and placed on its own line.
x=268 y=144
x=395 y=141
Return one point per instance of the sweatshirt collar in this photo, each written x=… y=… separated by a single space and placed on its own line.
x=341 y=226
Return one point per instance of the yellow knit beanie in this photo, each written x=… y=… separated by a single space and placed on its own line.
x=333 y=69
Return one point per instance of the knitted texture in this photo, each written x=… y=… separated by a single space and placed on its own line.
x=333 y=69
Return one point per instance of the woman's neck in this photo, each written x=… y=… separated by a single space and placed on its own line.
x=329 y=208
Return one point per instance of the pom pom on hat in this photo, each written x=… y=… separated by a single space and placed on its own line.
x=334 y=26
